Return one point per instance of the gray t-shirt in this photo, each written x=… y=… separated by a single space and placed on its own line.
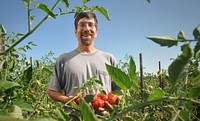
x=74 y=68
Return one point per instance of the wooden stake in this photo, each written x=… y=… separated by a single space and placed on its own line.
x=31 y=61
x=141 y=77
x=2 y=45
x=160 y=75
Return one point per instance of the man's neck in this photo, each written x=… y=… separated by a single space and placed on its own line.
x=86 y=50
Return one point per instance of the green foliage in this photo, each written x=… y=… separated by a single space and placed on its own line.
x=102 y=10
x=149 y=1
x=183 y=74
x=62 y=116
x=194 y=92
x=177 y=67
x=85 y=1
x=84 y=7
x=5 y=85
x=3 y=30
x=23 y=84
x=23 y=105
x=196 y=33
x=123 y=80
x=66 y=3
x=120 y=78
x=157 y=94
x=88 y=113
x=46 y=10
x=164 y=41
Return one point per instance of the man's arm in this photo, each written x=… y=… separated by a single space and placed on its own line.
x=57 y=96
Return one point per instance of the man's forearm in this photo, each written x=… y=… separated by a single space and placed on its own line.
x=57 y=96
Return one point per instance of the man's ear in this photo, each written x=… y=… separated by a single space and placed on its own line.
x=75 y=32
x=96 y=33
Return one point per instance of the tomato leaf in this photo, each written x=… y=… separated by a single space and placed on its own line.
x=132 y=74
x=132 y=69
x=85 y=1
x=47 y=70
x=181 y=36
x=196 y=32
x=88 y=114
x=66 y=3
x=158 y=93
x=23 y=105
x=194 y=92
x=89 y=98
x=120 y=78
x=98 y=81
x=185 y=115
x=5 y=85
x=46 y=10
x=149 y=1
x=63 y=116
x=78 y=10
x=102 y=11
x=27 y=76
x=196 y=48
x=164 y=40
x=3 y=30
x=11 y=65
x=176 y=68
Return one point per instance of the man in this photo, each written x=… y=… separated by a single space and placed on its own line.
x=74 y=68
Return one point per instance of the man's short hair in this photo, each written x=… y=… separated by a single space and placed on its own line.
x=88 y=15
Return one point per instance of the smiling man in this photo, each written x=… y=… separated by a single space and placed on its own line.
x=74 y=68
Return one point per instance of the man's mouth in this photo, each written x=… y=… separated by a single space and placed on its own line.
x=86 y=35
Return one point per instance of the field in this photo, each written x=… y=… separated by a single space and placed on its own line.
x=172 y=94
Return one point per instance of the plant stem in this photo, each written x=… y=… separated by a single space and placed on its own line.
x=29 y=21
x=150 y=102
x=176 y=115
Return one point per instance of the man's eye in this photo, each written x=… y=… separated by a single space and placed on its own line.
x=82 y=24
x=85 y=24
x=91 y=24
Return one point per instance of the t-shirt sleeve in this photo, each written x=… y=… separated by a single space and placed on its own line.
x=55 y=81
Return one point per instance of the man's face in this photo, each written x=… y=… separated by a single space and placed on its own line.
x=86 y=31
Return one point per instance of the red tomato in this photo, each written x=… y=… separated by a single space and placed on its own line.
x=77 y=100
x=83 y=96
x=98 y=104
x=95 y=98
x=125 y=115
x=103 y=97
x=112 y=99
x=31 y=91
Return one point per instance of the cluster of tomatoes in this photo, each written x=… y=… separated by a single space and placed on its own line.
x=101 y=100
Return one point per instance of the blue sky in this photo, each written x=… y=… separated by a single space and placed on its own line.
x=131 y=22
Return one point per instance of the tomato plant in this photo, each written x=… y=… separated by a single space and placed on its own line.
x=23 y=84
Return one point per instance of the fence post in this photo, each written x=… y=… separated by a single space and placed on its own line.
x=160 y=76
x=31 y=61
x=2 y=45
x=141 y=77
